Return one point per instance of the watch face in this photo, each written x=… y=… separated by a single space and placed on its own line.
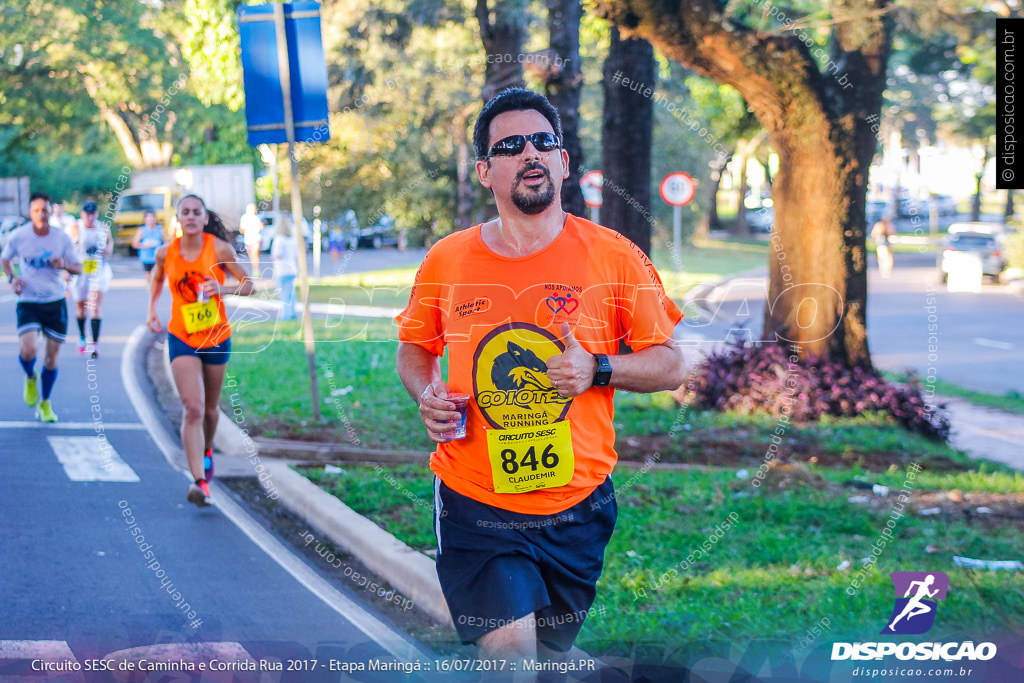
x=603 y=376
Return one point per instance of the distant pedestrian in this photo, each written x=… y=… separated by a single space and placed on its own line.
x=251 y=228
x=286 y=265
x=95 y=245
x=881 y=232
x=147 y=239
x=60 y=220
x=198 y=335
x=336 y=242
x=41 y=252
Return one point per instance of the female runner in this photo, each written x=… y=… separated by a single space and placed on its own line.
x=198 y=335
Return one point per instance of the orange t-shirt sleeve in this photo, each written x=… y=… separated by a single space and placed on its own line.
x=649 y=316
x=421 y=322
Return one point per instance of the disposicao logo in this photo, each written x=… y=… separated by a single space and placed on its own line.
x=916 y=603
x=917 y=596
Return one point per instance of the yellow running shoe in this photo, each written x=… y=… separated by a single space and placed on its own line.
x=31 y=390
x=45 y=412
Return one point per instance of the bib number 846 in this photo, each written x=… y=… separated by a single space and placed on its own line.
x=510 y=461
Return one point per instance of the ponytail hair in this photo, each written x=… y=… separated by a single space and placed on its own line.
x=215 y=227
x=214 y=224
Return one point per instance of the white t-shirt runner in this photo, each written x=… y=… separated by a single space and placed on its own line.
x=43 y=282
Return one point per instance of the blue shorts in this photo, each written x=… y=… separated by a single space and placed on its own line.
x=497 y=566
x=50 y=317
x=212 y=355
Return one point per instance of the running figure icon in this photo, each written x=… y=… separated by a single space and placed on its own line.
x=915 y=607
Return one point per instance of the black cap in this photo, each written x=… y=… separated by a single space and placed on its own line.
x=89 y=207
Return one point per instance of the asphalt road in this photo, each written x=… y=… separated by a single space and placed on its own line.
x=75 y=581
x=977 y=340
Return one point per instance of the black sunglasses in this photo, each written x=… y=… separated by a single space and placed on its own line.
x=515 y=144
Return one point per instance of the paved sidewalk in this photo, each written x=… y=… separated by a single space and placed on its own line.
x=983 y=432
x=987 y=433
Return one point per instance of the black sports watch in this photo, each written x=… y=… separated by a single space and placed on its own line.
x=603 y=376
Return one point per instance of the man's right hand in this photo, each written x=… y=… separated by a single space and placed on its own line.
x=437 y=413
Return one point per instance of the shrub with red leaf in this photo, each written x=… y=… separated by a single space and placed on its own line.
x=771 y=378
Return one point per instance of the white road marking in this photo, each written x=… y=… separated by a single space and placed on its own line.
x=73 y=426
x=45 y=650
x=106 y=341
x=379 y=632
x=993 y=344
x=88 y=458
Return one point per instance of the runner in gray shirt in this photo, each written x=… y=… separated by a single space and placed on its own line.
x=32 y=260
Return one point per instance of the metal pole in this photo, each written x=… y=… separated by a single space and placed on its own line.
x=300 y=238
x=595 y=214
x=677 y=235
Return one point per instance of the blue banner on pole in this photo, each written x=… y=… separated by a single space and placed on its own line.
x=264 y=99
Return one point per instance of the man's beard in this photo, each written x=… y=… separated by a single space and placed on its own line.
x=532 y=201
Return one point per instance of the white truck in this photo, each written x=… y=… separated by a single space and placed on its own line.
x=226 y=189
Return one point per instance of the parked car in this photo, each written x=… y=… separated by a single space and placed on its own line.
x=269 y=219
x=909 y=207
x=996 y=230
x=383 y=233
x=993 y=263
x=946 y=204
x=9 y=224
x=761 y=220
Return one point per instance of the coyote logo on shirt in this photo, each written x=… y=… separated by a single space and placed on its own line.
x=510 y=377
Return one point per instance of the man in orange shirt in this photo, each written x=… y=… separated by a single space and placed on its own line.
x=533 y=307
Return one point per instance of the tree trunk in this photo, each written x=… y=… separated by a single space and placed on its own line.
x=745 y=151
x=713 y=222
x=466 y=188
x=818 y=123
x=766 y=165
x=1008 y=211
x=502 y=37
x=563 y=84
x=626 y=138
x=136 y=134
x=742 y=158
x=978 y=177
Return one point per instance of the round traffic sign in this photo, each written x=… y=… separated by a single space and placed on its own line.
x=590 y=184
x=678 y=189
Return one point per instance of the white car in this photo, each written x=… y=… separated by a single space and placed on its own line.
x=997 y=230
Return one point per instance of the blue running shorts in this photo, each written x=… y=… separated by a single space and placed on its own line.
x=497 y=566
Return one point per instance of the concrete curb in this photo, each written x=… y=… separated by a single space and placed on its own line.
x=229 y=439
x=409 y=571
x=703 y=291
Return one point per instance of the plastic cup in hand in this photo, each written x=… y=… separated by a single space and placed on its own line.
x=458 y=431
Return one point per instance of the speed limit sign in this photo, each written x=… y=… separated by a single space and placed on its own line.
x=590 y=184
x=678 y=189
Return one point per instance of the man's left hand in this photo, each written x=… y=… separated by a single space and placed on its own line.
x=572 y=371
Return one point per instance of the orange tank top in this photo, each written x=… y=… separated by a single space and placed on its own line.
x=184 y=278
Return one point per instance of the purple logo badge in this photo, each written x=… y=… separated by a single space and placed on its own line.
x=917 y=596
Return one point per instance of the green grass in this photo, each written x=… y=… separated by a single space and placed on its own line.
x=364 y=404
x=370 y=408
x=704 y=262
x=703 y=436
x=388 y=288
x=355 y=360
x=1010 y=402
x=776 y=571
